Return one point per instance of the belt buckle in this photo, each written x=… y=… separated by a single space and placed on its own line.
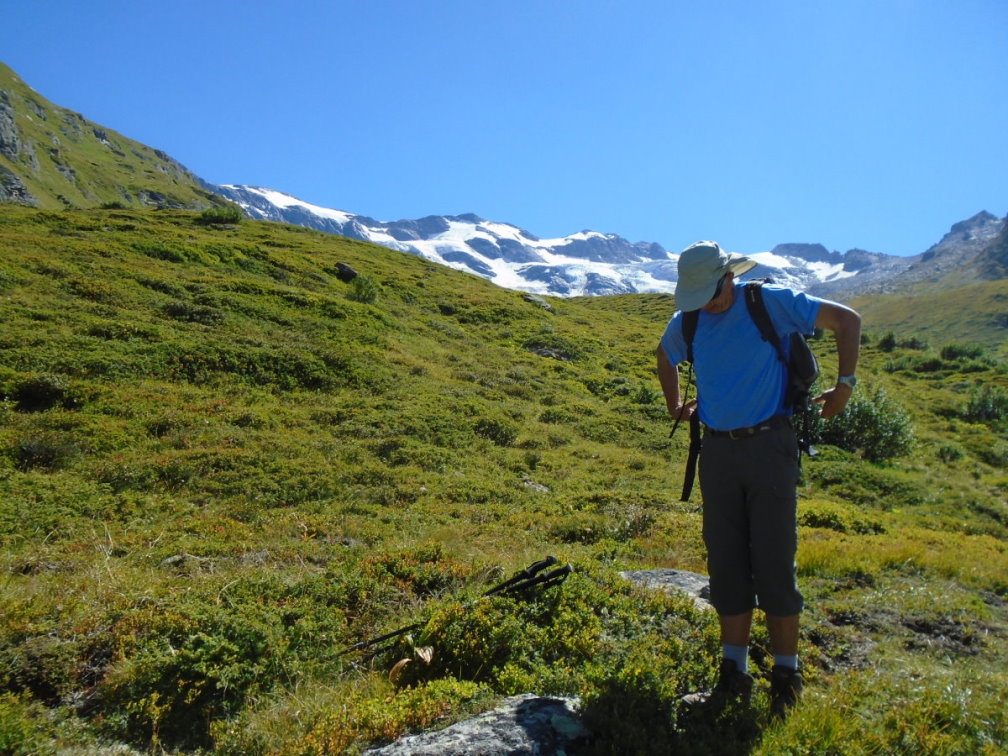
x=742 y=433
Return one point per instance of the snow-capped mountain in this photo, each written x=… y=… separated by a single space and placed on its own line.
x=584 y=263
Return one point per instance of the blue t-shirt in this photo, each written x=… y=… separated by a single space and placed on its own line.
x=740 y=379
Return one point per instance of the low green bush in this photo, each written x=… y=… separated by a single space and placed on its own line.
x=38 y=393
x=23 y=729
x=178 y=671
x=501 y=432
x=873 y=425
x=364 y=289
x=950 y=452
x=857 y=484
x=986 y=404
x=840 y=520
x=957 y=351
x=193 y=313
x=226 y=215
x=50 y=451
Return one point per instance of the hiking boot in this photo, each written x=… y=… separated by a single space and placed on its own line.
x=733 y=686
x=785 y=690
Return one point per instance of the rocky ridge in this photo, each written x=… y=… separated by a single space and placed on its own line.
x=586 y=263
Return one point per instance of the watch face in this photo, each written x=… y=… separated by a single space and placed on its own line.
x=850 y=380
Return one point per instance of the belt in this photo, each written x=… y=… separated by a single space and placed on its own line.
x=736 y=434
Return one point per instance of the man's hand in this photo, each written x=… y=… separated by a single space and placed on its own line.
x=834 y=400
x=683 y=411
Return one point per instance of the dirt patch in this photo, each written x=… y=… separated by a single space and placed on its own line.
x=947 y=636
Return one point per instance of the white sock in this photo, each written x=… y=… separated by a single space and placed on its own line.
x=738 y=654
x=783 y=660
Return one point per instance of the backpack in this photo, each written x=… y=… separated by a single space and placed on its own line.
x=802 y=372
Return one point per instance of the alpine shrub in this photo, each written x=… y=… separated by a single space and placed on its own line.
x=363 y=289
x=38 y=393
x=914 y=343
x=501 y=432
x=950 y=452
x=873 y=424
x=963 y=352
x=220 y=215
x=47 y=452
x=986 y=404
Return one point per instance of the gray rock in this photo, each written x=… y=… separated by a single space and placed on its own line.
x=693 y=584
x=10 y=140
x=521 y=725
x=12 y=189
x=345 y=273
x=537 y=300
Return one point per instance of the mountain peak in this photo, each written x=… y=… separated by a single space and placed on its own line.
x=979 y=220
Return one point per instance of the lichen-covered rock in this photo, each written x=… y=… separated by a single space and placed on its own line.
x=693 y=584
x=522 y=725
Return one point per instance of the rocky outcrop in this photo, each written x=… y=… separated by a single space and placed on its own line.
x=12 y=189
x=525 y=724
x=693 y=584
x=10 y=142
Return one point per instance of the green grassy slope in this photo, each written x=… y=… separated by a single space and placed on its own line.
x=64 y=160
x=974 y=313
x=220 y=465
x=968 y=303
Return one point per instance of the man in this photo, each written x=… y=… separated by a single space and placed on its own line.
x=749 y=461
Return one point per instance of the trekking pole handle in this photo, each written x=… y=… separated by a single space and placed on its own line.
x=553 y=576
x=539 y=566
x=525 y=574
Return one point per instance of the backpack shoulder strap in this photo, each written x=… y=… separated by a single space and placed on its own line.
x=758 y=312
x=689 y=326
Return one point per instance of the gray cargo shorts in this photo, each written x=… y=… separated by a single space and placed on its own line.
x=749 y=521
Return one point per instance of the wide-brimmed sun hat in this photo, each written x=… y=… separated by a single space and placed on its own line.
x=701 y=266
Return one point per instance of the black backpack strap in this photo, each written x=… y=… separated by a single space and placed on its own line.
x=689 y=327
x=758 y=312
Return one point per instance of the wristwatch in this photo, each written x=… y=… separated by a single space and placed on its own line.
x=847 y=380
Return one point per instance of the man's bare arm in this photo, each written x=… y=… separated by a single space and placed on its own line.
x=845 y=324
x=668 y=377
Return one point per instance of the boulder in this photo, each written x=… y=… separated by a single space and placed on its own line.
x=537 y=300
x=525 y=724
x=345 y=273
x=693 y=584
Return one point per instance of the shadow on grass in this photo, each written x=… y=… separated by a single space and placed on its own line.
x=631 y=722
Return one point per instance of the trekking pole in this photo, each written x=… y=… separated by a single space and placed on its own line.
x=529 y=572
x=525 y=578
x=372 y=641
x=543 y=581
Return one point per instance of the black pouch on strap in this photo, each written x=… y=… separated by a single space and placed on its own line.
x=694 y=454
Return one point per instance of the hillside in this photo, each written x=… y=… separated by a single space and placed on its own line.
x=221 y=465
x=52 y=158
x=972 y=313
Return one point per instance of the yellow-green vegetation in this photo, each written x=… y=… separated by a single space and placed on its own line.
x=221 y=466
x=977 y=313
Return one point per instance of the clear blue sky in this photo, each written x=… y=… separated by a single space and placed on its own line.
x=860 y=123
